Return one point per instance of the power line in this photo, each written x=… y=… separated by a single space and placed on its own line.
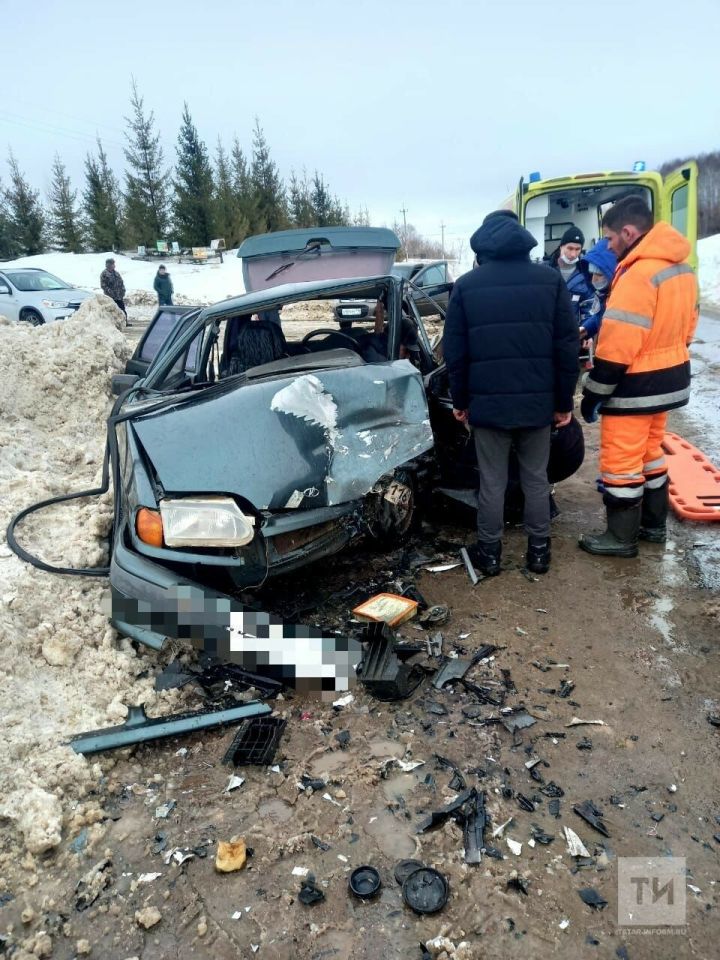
x=40 y=126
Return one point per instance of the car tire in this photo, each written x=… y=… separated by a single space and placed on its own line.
x=31 y=316
x=392 y=524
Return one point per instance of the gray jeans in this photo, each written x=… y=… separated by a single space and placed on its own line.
x=493 y=453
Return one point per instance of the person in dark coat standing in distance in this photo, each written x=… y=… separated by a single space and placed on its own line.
x=511 y=348
x=163 y=287
x=112 y=285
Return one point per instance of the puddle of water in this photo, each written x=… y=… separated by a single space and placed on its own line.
x=275 y=810
x=328 y=763
x=395 y=788
x=662 y=607
x=384 y=749
x=389 y=836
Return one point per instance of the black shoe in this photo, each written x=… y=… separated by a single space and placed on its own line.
x=485 y=557
x=538 y=554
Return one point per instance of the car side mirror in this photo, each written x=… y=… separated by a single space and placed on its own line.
x=4 y=289
x=122 y=382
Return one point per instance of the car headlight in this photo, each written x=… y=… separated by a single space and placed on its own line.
x=53 y=303
x=205 y=522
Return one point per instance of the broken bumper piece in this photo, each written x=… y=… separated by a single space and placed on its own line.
x=151 y=603
x=139 y=727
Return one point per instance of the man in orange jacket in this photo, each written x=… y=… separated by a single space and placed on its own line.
x=642 y=370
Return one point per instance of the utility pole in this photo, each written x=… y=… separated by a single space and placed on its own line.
x=403 y=211
x=442 y=241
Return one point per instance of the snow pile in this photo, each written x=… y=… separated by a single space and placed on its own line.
x=63 y=669
x=193 y=283
x=709 y=270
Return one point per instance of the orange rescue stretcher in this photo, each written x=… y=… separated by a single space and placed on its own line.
x=694 y=480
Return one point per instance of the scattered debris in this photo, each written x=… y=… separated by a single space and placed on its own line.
x=426 y=890
x=310 y=893
x=439 y=613
x=343 y=738
x=404 y=868
x=387 y=608
x=514 y=846
x=474 y=828
x=439 y=817
x=343 y=701
x=517 y=882
x=564 y=924
x=518 y=721
x=255 y=742
x=139 y=728
x=591 y=815
x=672 y=788
x=91 y=884
x=231 y=856
x=592 y=898
x=434 y=645
x=451 y=670
x=471 y=571
x=499 y=830
x=585 y=743
x=365 y=882
x=566 y=688
x=442 y=567
x=552 y=790
x=179 y=855
x=575 y=846
x=165 y=809
x=381 y=671
x=148 y=877
x=233 y=783
x=577 y=722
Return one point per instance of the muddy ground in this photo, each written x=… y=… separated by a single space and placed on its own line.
x=640 y=641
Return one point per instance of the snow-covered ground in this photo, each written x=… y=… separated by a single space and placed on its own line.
x=194 y=283
x=709 y=271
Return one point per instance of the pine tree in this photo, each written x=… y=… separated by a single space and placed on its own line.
x=64 y=222
x=268 y=188
x=300 y=201
x=230 y=222
x=146 y=202
x=27 y=220
x=243 y=186
x=193 y=202
x=101 y=200
x=7 y=245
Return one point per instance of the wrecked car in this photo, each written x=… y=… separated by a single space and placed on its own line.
x=251 y=445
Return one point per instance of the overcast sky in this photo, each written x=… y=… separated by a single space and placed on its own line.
x=435 y=106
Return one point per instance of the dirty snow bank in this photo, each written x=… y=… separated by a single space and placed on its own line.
x=63 y=669
x=709 y=270
x=193 y=283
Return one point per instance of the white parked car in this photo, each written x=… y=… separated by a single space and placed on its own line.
x=36 y=296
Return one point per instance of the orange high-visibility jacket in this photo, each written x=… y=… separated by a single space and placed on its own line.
x=642 y=364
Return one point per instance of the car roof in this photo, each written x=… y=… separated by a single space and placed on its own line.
x=9 y=266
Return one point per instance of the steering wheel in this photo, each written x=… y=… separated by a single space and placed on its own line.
x=324 y=332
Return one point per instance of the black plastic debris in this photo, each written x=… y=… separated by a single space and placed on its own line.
x=381 y=671
x=616 y=799
x=438 y=709
x=310 y=893
x=343 y=738
x=174 y=676
x=518 y=883
x=622 y=954
x=458 y=780
x=256 y=742
x=91 y=884
x=552 y=790
x=592 y=898
x=438 y=817
x=365 y=882
x=412 y=593
x=483 y=652
x=474 y=828
x=159 y=842
x=312 y=783
x=566 y=688
x=657 y=817
x=435 y=615
x=554 y=808
x=591 y=815
x=219 y=678
x=320 y=844
x=714 y=719
x=539 y=836
x=585 y=743
x=518 y=721
x=525 y=803
x=592 y=941
x=484 y=694
x=473 y=711
x=139 y=728
x=451 y=671
x=508 y=681
x=426 y=890
x=404 y=868
x=493 y=852
x=425 y=953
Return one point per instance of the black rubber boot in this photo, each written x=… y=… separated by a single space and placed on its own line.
x=538 y=554
x=653 y=518
x=621 y=537
x=485 y=557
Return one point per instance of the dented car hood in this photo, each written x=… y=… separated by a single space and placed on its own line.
x=316 y=439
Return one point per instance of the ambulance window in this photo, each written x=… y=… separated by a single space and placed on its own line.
x=679 y=209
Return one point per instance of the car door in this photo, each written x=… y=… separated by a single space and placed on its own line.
x=433 y=280
x=167 y=324
x=679 y=204
x=9 y=302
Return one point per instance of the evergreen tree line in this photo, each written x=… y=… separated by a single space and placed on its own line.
x=229 y=195
x=708 y=189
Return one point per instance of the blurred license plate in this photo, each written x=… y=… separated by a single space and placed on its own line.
x=351 y=311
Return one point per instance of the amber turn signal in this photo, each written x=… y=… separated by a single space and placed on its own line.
x=148 y=525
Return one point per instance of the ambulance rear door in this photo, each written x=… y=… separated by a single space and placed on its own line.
x=679 y=203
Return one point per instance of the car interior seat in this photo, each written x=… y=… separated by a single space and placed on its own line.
x=251 y=343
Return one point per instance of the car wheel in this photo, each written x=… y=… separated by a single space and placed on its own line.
x=31 y=316
x=391 y=508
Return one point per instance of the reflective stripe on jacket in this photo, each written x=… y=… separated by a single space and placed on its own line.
x=642 y=364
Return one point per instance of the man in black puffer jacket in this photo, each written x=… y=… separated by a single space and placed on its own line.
x=511 y=348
